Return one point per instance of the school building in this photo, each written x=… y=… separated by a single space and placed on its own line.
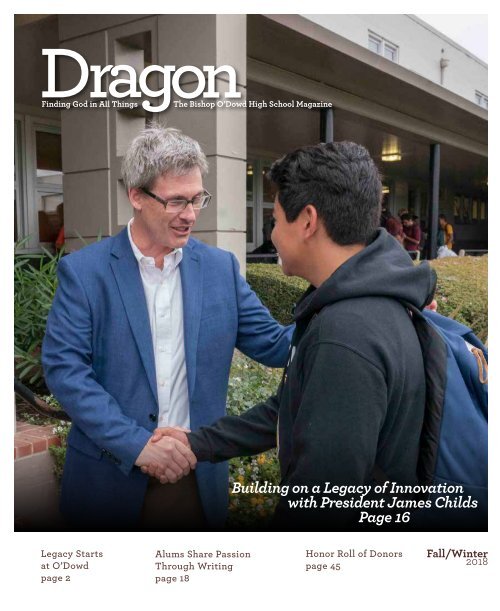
x=417 y=100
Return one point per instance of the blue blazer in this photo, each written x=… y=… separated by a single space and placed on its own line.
x=98 y=361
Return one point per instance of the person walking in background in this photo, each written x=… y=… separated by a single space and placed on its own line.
x=412 y=234
x=445 y=233
x=391 y=224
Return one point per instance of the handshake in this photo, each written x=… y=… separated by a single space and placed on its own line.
x=167 y=455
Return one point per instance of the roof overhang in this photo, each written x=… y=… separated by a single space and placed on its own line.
x=289 y=52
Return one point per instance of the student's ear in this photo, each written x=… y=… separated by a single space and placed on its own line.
x=135 y=197
x=310 y=220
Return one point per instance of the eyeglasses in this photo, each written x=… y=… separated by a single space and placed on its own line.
x=199 y=201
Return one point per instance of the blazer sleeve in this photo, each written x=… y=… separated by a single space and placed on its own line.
x=259 y=336
x=69 y=374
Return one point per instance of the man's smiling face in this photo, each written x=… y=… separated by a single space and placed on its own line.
x=171 y=229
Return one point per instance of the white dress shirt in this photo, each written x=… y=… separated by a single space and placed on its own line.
x=163 y=291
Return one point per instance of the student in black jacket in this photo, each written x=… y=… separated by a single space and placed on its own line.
x=351 y=403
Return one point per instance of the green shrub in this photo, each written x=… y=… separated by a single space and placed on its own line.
x=462 y=290
x=35 y=283
x=251 y=383
x=27 y=413
x=61 y=429
x=278 y=292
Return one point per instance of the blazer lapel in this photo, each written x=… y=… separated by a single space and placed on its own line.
x=128 y=278
x=192 y=281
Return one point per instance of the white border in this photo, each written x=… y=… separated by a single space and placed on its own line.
x=275 y=578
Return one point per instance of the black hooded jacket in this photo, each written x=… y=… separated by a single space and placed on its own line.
x=353 y=394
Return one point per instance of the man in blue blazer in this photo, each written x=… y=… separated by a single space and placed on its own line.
x=141 y=334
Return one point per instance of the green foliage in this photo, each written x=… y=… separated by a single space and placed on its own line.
x=462 y=291
x=253 y=509
x=277 y=291
x=249 y=384
x=28 y=413
x=35 y=283
x=61 y=429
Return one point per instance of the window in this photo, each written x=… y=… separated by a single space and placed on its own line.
x=383 y=47
x=250 y=240
x=250 y=207
x=260 y=203
x=48 y=186
x=390 y=52
x=268 y=193
x=38 y=184
x=374 y=44
x=19 y=196
x=268 y=190
x=482 y=100
x=267 y=223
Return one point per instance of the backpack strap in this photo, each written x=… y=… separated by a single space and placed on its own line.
x=434 y=353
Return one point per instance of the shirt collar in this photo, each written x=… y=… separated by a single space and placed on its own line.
x=175 y=255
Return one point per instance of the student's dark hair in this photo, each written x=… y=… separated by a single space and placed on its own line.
x=407 y=217
x=442 y=216
x=340 y=180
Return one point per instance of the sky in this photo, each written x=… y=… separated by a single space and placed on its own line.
x=469 y=31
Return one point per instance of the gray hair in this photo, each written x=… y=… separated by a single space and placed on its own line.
x=157 y=150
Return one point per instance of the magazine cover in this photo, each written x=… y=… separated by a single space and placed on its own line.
x=250 y=300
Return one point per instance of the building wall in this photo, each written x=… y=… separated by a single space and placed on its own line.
x=30 y=66
x=421 y=48
x=95 y=140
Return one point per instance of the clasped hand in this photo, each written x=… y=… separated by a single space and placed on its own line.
x=167 y=455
